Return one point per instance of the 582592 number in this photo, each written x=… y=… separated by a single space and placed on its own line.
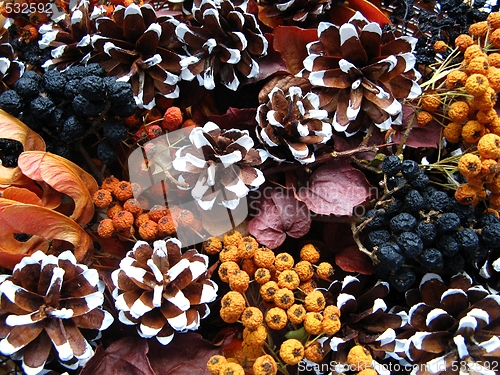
x=27 y=7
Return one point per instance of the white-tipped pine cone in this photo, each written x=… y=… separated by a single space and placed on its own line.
x=291 y=125
x=455 y=325
x=44 y=305
x=219 y=166
x=222 y=41
x=361 y=73
x=162 y=290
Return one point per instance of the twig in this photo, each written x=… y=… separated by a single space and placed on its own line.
x=324 y=158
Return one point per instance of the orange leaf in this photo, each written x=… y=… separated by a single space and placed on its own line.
x=22 y=195
x=18 y=217
x=65 y=177
x=9 y=261
x=370 y=11
x=12 y=128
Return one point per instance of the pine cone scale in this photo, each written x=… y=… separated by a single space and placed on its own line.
x=36 y=352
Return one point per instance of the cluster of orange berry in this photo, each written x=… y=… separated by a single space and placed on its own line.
x=269 y=293
x=467 y=103
x=150 y=124
x=129 y=217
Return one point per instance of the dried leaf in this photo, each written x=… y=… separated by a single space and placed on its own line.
x=370 y=11
x=39 y=221
x=245 y=118
x=271 y=63
x=279 y=214
x=22 y=195
x=291 y=42
x=125 y=356
x=65 y=177
x=350 y=259
x=12 y=128
x=188 y=353
x=335 y=188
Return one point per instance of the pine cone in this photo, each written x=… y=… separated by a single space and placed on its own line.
x=361 y=73
x=292 y=126
x=222 y=43
x=162 y=290
x=456 y=326
x=219 y=165
x=139 y=46
x=44 y=305
x=490 y=270
x=296 y=10
x=11 y=69
x=364 y=317
x=69 y=38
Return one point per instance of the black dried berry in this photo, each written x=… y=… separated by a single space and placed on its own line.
x=411 y=244
x=427 y=232
x=448 y=222
x=42 y=107
x=390 y=255
x=403 y=222
x=448 y=245
x=432 y=259
x=53 y=82
x=403 y=279
x=391 y=165
x=92 y=88
x=11 y=102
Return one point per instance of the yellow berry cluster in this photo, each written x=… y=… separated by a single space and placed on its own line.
x=271 y=292
x=131 y=217
x=468 y=108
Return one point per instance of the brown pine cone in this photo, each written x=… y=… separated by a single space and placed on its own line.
x=361 y=73
x=456 y=326
x=364 y=317
x=296 y=10
x=218 y=165
x=292 y=126
x=45 y=304
x=69 y=38
x=162 y=290
x=222 y=42
x=139 y=46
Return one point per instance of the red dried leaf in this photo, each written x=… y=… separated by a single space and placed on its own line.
x=125 y=356
x=291 y=42
x=428 y=136
x=335 y=188
x=40 y=222
x=279 y=214
x=350 y=259
x=188 y=353
x=12 y=128
x=271 y=63
x=245 y=118
x=65 y=177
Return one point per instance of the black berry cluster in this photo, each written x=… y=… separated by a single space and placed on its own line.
x=9 y=152
x=80 y=106
x=416 y=228
x=431 y=21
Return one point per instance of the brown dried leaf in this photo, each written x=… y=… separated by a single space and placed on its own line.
x=65 y=177
x=125 y=356
x=188 y=353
